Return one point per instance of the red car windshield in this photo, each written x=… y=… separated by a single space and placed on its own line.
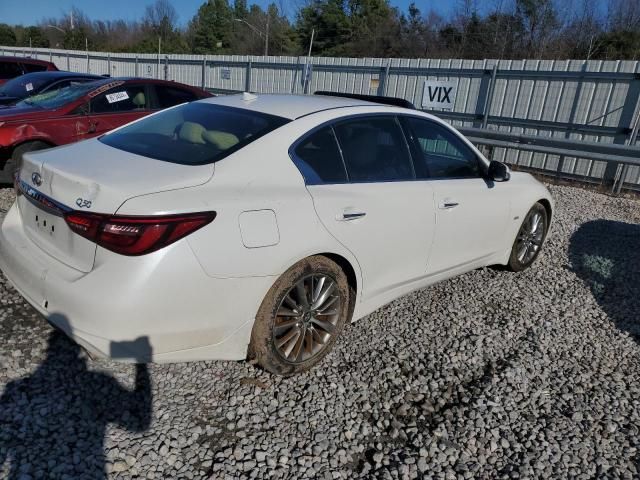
x=58 y=98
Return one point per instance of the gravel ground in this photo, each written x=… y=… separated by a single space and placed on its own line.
x=489 y=375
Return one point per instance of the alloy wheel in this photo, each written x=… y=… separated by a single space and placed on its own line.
x=530 y=237
x=307 y=318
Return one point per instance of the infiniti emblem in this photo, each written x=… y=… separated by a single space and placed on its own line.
x=36 y=179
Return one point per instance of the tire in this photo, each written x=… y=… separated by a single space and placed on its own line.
x=13 y=163
x=530 y=238
x=301 y=336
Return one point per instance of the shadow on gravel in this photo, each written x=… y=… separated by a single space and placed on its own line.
x=52 y=423
x=606 y=255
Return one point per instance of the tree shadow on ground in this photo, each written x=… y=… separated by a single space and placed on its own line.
x=606 y=255
x=53 y=422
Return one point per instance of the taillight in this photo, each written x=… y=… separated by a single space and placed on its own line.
x=136 y=235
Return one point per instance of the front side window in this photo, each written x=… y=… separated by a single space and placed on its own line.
x=374 y=150
x=193 y=133
x=318 y=158
x=170 y=96
x=124 y=98
x=440 y=152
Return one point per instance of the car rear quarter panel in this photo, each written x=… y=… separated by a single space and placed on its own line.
x=260 y=176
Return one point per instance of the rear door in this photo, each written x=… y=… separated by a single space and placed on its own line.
x=116 y=107
x=471 y=211
x=360 y=175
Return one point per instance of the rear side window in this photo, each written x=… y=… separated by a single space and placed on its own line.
x=318 y=158
x=170 y=96
x=9 y=70
x=193 y=134
x=123 y=98
x=30 y=67
x=440 y=152
x=374 y=150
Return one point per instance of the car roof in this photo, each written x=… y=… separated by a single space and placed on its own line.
x=24 y=60
x=56 y=74
x=286 y=105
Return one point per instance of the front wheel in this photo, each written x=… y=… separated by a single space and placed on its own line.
x=530 y=238
x=301 y=317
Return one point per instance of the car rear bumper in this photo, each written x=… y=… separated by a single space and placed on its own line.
x=160 y=307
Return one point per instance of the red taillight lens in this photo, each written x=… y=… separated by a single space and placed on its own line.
x=136 y=235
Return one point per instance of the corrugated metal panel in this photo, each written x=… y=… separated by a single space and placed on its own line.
x=571 y=102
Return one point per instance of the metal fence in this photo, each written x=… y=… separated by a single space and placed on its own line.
x=578 y=101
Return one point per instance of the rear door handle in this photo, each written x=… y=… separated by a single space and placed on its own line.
x=448 y=203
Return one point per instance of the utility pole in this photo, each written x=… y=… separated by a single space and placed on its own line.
x=307 y=65
x=159 y=51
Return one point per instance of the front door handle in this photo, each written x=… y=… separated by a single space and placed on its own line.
x=93 y=126
x=348 y=216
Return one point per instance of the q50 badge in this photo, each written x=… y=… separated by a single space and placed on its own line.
x=82 y=203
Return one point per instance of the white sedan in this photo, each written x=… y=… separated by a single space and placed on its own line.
x=257 y=226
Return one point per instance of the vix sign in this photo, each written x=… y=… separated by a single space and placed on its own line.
x=437 y=94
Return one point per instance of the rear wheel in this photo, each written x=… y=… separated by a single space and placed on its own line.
x=301 y=317
x=530 y=238
x=13 y=164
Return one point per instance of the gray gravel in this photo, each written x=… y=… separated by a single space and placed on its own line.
x=489 y=375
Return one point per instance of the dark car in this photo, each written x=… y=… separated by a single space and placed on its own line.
x=32 y=84
x=81 y=111
x=11 y=67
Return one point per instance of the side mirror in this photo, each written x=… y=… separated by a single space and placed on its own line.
x=498 y=171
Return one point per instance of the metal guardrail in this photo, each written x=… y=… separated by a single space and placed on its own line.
x=624 y=155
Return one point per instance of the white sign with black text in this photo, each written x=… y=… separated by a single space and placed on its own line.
x=439 y=94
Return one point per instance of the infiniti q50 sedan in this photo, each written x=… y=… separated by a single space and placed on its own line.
x=257 y=226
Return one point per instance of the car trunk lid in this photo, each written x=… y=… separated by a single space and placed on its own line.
x=89 y=177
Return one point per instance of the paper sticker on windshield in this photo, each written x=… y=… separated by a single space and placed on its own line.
x=28 y=87
x=117 y=97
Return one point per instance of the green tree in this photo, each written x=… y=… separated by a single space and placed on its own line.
x=331 y=24
x=32 y=34
x=7 y=35
x=211 y=28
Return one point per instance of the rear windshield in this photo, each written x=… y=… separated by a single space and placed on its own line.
x=193 y=133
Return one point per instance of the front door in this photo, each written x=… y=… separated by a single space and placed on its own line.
x=471 y=212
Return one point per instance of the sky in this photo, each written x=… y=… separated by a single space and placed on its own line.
x=30 y=12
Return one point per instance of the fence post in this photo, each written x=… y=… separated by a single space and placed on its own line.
x=295 y=75
x=626 y=135
x=203 y=80
x=489 y=100
x=50 y=56
x=635 y=126
x=572 y=114
x=136 y=68
x=109 y=64
x=247 y=83
x=384 y=75
x=68 y=63
x=166 y=67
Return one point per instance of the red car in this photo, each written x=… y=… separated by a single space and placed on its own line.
x=82 y=111
x=11 y=67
